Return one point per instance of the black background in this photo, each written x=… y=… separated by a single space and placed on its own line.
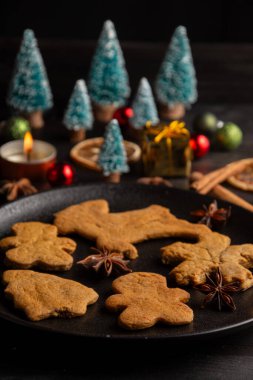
x=220 y=32
x=206 y=21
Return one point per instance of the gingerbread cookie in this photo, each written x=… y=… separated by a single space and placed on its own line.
x=36 y=244
x=213 y=251
x=144 y=300
x=117 y=231
x=42 y=295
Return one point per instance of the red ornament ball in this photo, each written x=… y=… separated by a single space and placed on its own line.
x=200 y=145
x=123 y=115
x=60 y=174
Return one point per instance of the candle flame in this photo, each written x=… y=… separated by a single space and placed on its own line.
x=28 y=143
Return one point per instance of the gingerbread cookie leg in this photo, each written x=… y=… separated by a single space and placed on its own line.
x=115 y=245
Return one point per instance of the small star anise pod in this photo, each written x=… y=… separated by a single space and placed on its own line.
x=217 y=292
x=12 y=189
x=212 y=216
x=106 y=261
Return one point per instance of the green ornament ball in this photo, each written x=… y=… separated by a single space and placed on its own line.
x=17 y=127
x=229 y=137
x=205 y=123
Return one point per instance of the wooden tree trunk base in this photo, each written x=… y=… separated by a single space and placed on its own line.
x=113 y=178
x=77 y=136
x=35 y=119
x=105 y=113
x=172 y=112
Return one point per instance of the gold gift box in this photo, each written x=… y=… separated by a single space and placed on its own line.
x=166 y=150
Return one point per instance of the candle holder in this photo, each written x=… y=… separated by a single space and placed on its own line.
x=15 y=164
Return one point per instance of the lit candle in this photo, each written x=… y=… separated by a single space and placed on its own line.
x=26 y=158
x=28 y=145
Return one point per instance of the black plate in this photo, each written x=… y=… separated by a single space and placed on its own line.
x=97 y=322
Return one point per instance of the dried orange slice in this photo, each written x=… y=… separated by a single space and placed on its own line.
x=87 y=151
x=244 y=179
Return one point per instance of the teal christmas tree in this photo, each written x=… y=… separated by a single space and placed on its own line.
x=143 y=106
x=78 y=116
x=108 y=82
x=112 y=158
x=29 y=91
x=176 y=81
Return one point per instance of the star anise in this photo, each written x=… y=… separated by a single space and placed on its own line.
x=106 y=261
x=212 y=216
x=12 y=189
x=217 y=292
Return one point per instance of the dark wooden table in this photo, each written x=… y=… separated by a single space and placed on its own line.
x=226 y=83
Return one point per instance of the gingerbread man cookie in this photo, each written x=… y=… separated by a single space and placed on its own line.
x=36 y=244
x=143 y=299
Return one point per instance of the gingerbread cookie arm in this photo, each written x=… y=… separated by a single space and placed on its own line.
x=116 y=302
x=67 y=245
x=178 y=295
x=8 y=242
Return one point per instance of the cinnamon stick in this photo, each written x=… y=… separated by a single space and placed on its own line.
x=205 y=184
x=222 y=193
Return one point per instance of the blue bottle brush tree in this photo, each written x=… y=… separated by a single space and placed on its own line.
x=78 y=117
x=176 y=81
x=29 y=91
x=108 y=82
x=112 y=157
x=144 y=108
